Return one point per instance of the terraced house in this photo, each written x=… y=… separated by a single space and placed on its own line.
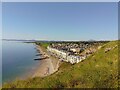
x=72 y=52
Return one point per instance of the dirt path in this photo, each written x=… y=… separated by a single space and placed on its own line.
x=46 y=66
x=51 y=68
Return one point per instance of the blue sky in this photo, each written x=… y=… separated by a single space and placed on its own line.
x=60 y=21
x=60 y=0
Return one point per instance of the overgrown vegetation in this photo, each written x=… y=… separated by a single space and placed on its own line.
x=100 y=70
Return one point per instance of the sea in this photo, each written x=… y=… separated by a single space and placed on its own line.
x=18 y=60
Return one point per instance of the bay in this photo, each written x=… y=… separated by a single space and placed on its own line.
x=17 y=60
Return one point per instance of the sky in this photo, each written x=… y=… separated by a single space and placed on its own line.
x=0 y=44
x=0 y=20
x=60 y=21
x=60 y=0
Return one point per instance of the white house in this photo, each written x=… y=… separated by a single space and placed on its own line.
x=64 y=56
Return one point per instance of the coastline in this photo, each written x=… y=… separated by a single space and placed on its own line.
x=47 y=66
x=43 y=68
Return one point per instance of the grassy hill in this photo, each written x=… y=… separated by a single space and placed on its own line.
x=100 y=70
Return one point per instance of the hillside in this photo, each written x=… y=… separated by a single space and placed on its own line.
x=100 y=70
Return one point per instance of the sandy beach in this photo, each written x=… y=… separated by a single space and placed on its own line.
x=47 y=66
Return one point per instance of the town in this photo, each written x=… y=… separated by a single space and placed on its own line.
x=73 y=52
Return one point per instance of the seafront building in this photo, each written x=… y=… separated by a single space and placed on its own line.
x=72 y=52
x=65 y=56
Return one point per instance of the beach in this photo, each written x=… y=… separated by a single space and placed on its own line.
x=47 y=66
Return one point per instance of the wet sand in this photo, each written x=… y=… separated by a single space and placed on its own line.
x=46 y=66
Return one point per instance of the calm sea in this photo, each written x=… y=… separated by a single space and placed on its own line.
x=17 y=60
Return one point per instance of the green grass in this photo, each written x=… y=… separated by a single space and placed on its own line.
x=100 y=70
x=43 y=44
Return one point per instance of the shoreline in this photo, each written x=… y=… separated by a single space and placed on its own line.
x=43 y=68
x=46 y=66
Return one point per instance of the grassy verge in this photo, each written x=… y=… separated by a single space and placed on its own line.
x=100 y=70
x=43 y=44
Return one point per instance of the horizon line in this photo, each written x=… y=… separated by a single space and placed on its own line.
x=60 y=40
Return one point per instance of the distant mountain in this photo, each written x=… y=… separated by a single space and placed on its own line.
x=91 y=40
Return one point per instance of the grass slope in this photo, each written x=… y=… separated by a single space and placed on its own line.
x=100 y=70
